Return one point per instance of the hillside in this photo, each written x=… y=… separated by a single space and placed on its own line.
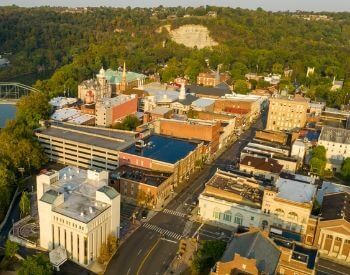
x=79 y=44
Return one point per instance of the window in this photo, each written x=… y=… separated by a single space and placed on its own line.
x=279 y=212
x=252 y=218
x=228 y=216
x=293 y=216
x=238 y=219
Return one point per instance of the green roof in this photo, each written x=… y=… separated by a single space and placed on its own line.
x=50 y=196
x=114 y=77
x=109 y=191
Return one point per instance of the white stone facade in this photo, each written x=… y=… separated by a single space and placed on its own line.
x=229 y=214
x=77 y=211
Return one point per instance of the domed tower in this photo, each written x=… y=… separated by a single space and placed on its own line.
x=101 y=77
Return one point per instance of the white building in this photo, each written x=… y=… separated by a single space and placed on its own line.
x=298 y=150
x=61 y=102
x=337 y=143
x=77 y=211
x=230 y=200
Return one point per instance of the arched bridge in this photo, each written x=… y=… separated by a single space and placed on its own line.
x=14 y=90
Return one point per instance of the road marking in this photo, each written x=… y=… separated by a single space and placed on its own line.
x=175 y=213
x=145 y=258
x=197 y=231
x=128 y=271
x=163 y=231
x=139 y=252
x=167 y=240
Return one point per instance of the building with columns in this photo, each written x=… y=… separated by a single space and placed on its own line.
x=77 y=211
x=333 y=229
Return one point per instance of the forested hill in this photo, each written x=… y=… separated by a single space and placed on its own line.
x=78 y=43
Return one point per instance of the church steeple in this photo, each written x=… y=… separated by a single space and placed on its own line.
x=124 y=83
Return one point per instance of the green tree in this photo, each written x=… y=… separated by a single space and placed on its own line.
x=207 y=255
x=32 y=108
x=11 y=249
x=24 y=204
x=318 y=160
x=129 y=123
x=345 y=169
x=241 y=87
x=36 y=265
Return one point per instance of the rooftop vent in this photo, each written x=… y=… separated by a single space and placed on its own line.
x=90 y=209
x=65 y=176
x=82 y=214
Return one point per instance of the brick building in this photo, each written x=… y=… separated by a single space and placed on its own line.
x=142 y=186
x=212 y=78
x=246 y=107
x=111 y=110
x=208 y=131
x=166 y=154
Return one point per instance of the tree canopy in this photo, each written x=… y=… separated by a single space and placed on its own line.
x=36 y=265
x=318 y=160
x=345 y=169
x=77 y=45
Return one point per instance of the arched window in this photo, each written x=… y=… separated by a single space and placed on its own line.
x=279 y=212
x=238 y=219
x=228 y=216
x=293 y=216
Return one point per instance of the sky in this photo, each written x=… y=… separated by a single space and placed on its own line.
x=273 y=5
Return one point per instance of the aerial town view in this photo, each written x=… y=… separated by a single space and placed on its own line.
x=175 y=137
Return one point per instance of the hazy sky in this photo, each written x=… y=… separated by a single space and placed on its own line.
x=275 y=5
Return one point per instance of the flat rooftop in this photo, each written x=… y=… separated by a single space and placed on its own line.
x=94 y=136
x=337 y=135
x=246 y=187
x=79 y=192
x=163 y=148
x=145 y=176
x=294 y=190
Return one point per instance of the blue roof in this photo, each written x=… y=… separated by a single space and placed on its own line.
x=163 y=148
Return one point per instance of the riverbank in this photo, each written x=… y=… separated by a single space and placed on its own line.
x=9 y=101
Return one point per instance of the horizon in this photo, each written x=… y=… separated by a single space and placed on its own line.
x=268 y=5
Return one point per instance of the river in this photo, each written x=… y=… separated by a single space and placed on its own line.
x=7 y=112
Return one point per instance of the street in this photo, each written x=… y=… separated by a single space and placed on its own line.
x=153 y=246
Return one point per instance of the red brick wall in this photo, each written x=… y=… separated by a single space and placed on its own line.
x=128 y=159
x=225 y=105
x=124 y=109
x=209 y=133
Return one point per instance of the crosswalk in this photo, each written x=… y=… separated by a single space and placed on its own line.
x=162 y=231
x=175 y=213
x=187 y=229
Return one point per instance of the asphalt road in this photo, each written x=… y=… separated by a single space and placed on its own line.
x=151 y=248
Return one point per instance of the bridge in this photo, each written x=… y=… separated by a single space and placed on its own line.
x=14 y=90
